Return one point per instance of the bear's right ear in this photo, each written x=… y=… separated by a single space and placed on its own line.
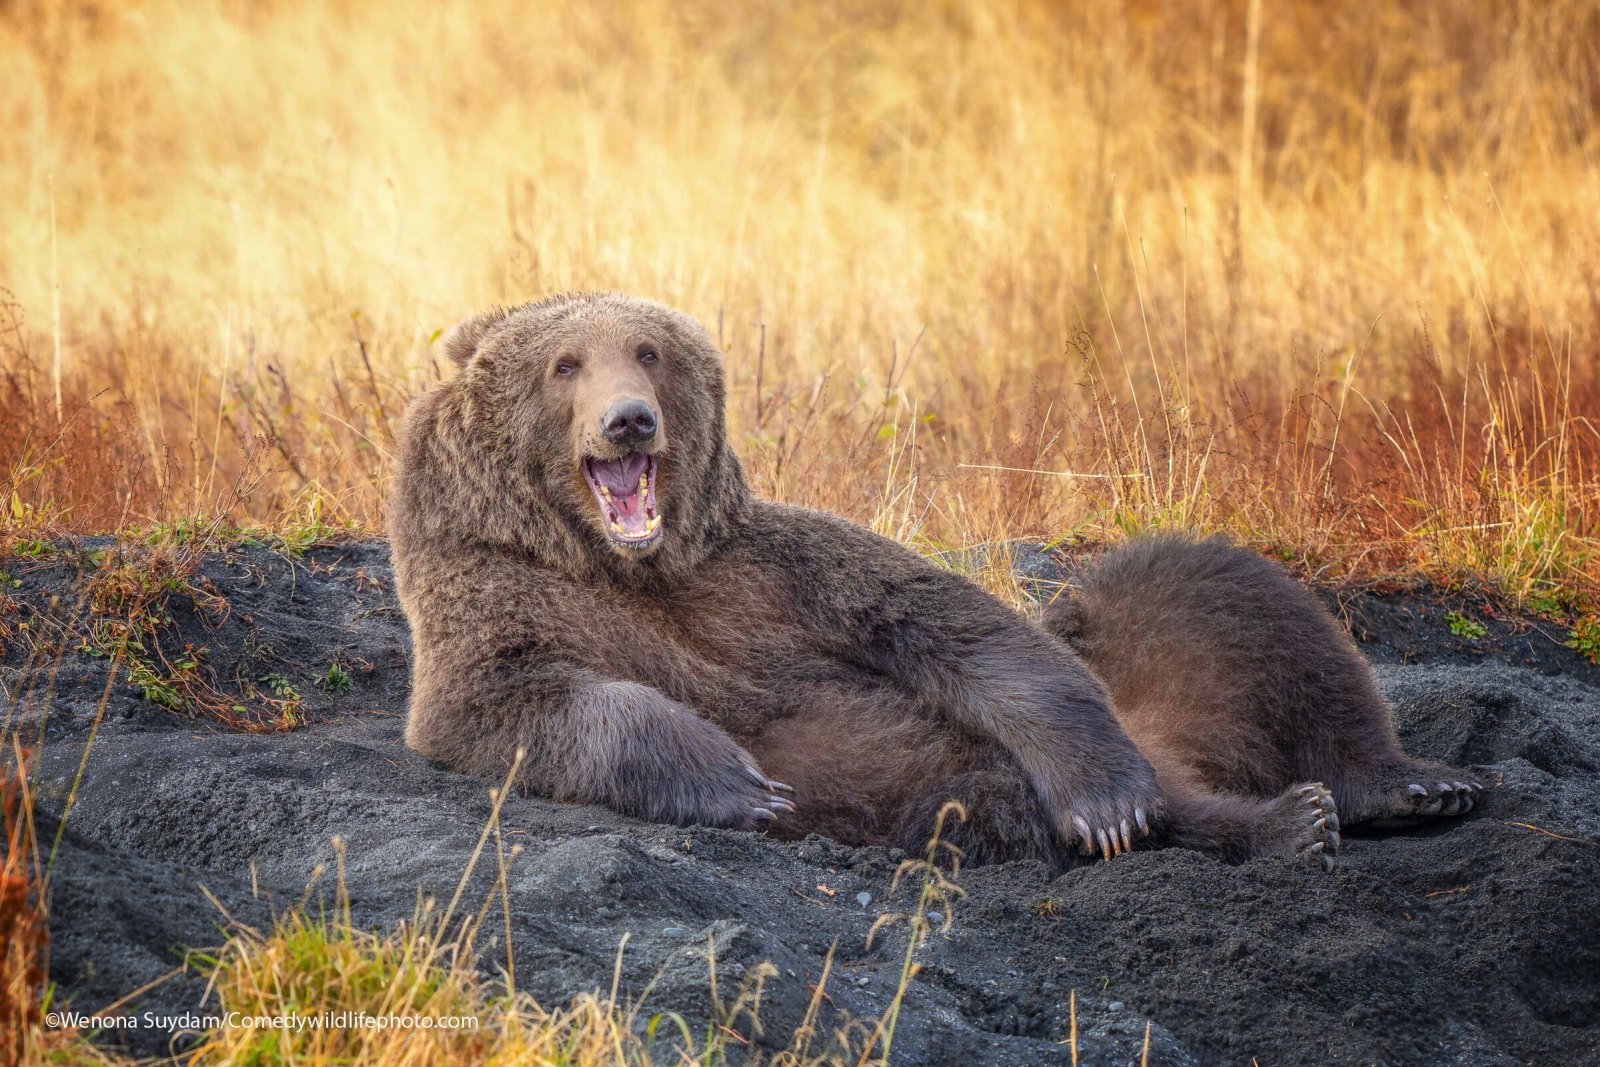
x=462 y=342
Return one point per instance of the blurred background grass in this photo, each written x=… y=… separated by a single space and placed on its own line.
x=1322 y=275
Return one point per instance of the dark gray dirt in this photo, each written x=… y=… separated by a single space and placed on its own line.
x=1466 y=942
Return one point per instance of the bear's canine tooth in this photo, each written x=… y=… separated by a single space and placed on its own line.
x=652 y=525
x=617 y=526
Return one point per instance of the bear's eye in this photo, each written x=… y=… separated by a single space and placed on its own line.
x=648 y=355
x=565 y=367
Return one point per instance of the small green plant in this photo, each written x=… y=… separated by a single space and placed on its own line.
x=311 y=521
x=289 y=705
x=1558 y=601
x=291 y=714
x=193 y=532
x=1586 y=638
x=336 y=681
x=155 y=687
x=281 y=686
x=33 y=548
x=158 y=686
x=1465 y=626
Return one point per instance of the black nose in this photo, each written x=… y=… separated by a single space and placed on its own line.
x=629 y=422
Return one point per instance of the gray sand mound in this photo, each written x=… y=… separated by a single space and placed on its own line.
x=1466 y=942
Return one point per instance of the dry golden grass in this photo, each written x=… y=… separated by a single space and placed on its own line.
x=365 y=996
x=1321 y=275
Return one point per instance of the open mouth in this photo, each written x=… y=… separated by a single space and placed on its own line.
x=625 y=489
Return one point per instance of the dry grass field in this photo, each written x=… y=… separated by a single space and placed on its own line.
x=1324 y=276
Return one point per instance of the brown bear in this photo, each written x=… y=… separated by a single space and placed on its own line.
x=1235 y=682
x=589 y=578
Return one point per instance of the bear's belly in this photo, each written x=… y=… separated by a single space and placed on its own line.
x=855 y=762
x=853 y=744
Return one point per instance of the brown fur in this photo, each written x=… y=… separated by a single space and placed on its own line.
x=1240 y=688
x=750 y=635
x=751 y=644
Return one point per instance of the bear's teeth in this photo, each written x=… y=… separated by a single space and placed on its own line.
x=617 y=526
x=644 y=483
x=605 y=492
x=650 y=527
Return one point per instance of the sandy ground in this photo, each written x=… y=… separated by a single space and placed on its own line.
x=1466 y=942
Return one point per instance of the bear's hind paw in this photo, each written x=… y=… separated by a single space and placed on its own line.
x=1406 y=794
x=1305 y=824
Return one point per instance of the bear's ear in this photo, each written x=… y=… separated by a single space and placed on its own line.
x=462 y=342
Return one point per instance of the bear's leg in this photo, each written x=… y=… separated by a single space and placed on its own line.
x=591 y=740
x=1004 y=820
x=1301 y=823
x=1345 y=738
x=1399 y=789
x=1220 y=662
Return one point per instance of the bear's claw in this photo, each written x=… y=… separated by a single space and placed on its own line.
x=1460 y=796
x=773 y=805
x=1324 y=825
x=771 y=784
x=1112 y=839
x=1407 y=791
x=1432 y=800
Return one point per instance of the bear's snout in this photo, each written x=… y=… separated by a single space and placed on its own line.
x=629 y=423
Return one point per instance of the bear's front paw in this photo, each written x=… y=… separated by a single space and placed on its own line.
x=736 y=796
x=1107 y=824
x=720 y=787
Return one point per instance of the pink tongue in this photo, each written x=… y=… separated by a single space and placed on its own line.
x=621 y=476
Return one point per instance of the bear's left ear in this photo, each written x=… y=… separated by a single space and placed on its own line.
x=462 y=342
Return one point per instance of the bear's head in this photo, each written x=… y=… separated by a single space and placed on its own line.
x=589 y=422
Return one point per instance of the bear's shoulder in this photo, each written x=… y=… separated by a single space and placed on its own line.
x=808 y=539
x=834 y=567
